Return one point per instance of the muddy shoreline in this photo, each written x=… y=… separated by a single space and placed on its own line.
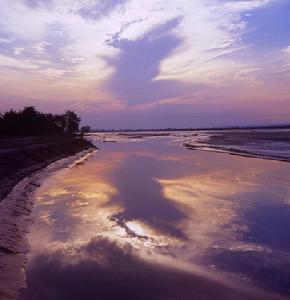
x=265 y=144
x=237 y=152
x=15 y=219
x=21 y=157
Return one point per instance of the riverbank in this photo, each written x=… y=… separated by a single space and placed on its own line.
x=35 y=159
x=273 y=144
x=21 y=157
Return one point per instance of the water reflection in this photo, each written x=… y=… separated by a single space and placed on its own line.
x=142 y=197
x=151 y=220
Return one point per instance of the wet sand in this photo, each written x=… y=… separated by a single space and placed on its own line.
x=271 y=144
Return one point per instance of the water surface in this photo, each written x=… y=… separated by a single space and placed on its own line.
x=149 y=219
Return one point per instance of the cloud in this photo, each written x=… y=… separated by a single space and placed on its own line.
x=248 y=4
x=99 y=9
x=103 y=270
x=158 y=53
x=38 y=3
x=138 y=65
x=205 y=31
x=88 y=36
x=287 y=50
x=143 y=199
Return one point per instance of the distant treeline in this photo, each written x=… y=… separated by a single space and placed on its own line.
x=194 y=129
x=29 y=121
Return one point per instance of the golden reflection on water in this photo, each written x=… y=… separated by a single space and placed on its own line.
x=77 y=202
x=212 y=220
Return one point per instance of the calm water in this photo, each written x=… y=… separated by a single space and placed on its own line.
x=152 y=220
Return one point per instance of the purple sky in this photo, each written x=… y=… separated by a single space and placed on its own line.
x=148 y=64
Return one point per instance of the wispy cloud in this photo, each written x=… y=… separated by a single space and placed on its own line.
x=137 y=53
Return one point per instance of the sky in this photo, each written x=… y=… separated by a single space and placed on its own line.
x=148 y=64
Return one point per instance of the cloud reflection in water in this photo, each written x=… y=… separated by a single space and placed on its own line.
x=134 y=223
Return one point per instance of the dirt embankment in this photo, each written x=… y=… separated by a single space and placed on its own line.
x=20 y=157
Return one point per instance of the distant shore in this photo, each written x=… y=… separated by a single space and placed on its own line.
x=21 y=157
x=266 y=127
x=273 y=144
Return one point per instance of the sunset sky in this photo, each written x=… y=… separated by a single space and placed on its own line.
x=144 y=64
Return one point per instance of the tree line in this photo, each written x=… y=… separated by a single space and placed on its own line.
x=29 y=121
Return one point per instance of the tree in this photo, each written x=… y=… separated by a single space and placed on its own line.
x=59 y=121
x=10 y=122
x=30 y=112
x=72 y=122
x=30 y=122
x=85 y=129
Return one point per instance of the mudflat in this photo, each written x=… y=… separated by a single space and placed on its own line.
x=264 y=143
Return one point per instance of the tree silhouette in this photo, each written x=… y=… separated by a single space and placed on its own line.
x=72 y=121
x=85 y=129
x=29 y=121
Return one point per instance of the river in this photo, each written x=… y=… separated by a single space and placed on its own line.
x=149 y=219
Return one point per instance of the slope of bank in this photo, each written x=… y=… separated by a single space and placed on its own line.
x=15 y=222
x=20 y=157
